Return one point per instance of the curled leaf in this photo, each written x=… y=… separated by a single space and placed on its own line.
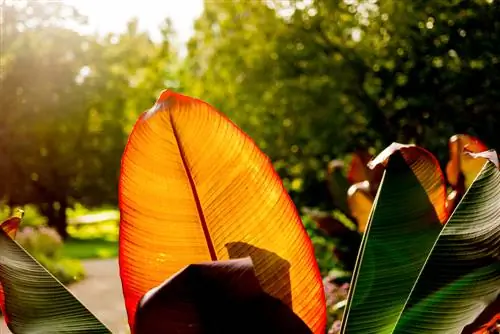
x=360 y=203
x=10 y=226
x=215 y=297
x=463 y=164
x=426 y=169
x=195 y=188
x=358 y=172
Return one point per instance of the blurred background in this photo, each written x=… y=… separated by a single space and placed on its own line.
x=310 y=81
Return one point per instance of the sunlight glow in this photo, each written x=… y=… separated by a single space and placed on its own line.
x=112 y=16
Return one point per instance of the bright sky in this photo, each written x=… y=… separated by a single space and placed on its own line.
x=113 y=15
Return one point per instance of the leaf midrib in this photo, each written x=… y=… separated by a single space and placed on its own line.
x=203 y=221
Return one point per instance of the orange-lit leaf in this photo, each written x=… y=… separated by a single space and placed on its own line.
x=195 y=188
x=425 y=167
x=215 y=297
x=463 y=163
x=358 y=172
x=10 y=226
x=360 y=203
x=487 y=322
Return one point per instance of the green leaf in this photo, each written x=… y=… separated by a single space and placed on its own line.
x=35 y=302
x=403 y=227
x=462 y=275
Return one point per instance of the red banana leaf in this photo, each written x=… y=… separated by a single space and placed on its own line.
x=195 y=188
x=425 y=167
x=360 y=203
x=10 y=227
x=357 y=168
x=463 y=163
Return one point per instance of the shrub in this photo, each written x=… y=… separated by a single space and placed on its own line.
x=45 y=245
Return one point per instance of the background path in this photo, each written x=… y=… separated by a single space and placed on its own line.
x=101 y=293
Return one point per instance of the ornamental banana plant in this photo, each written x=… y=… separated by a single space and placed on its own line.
x=421 y=269
x=210 y=242
x=353 y=189
x=354 y=194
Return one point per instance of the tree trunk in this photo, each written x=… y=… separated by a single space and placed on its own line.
x=62 y=220
x=56 y=217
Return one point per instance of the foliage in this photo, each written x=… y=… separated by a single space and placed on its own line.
x=319 y=79
x=80 y=117
x=323 y=246
x=405 y=250
x=96 y=240
x=246 y=284
x=220 y=197
x=424 y=255
x=336 y=293
x=46 y=246
x=353 y=189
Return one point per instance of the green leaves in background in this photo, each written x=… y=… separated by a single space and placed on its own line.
x=413 y=275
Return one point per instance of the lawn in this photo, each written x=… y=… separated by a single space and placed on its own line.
x=96 y=240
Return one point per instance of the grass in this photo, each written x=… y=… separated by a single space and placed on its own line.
x=92 y=241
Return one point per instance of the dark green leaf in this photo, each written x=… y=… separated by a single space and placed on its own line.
x=35 y=302
x=403 y=227
x=462 y=275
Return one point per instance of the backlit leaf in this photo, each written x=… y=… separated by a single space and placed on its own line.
x=403 y=226
x=360 y=203
x=358 y=172
x=463 y=163
x=462 y=274
x=195 y=188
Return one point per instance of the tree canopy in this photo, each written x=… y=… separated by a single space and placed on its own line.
x=308 y=80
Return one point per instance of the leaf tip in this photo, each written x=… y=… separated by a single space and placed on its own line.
x=384 y=156
x=168 y=95
x=490 y=155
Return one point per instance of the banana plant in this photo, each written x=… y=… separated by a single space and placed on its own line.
x=210 y=242
x=421 y=269
x=354 y=194
x=353 y=189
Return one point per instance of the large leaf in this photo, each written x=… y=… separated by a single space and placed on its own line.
x=195 y=188
x=462 y=275
x=33 y=300
x=403 y=226
x=215 y=297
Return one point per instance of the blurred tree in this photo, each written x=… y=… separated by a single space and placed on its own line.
x=67 y=104
x=311 y=80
